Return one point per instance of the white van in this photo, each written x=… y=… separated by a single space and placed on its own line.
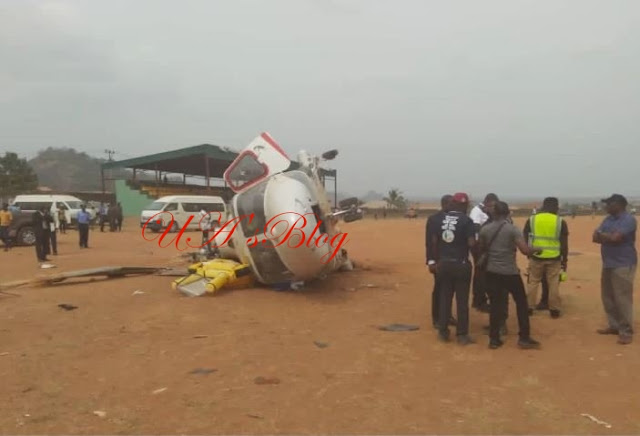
x=182 y=207
x=32 y=203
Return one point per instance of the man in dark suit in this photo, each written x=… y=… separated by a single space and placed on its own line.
x=39 y=225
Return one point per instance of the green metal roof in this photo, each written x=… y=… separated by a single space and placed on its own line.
x=191 y=161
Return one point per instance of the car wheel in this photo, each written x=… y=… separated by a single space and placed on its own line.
x=175 y=228
x=26 y=236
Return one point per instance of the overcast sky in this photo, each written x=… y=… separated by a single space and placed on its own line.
x=519 y=97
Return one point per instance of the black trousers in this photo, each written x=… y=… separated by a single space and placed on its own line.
x=83 y=229
x=454 y=278
x=54 y=242
x=46 y=242
x=40 y=246
x=479 y=286
x=435 y=301
x=499 y=287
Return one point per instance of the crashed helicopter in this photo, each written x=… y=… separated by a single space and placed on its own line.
x=285 y=228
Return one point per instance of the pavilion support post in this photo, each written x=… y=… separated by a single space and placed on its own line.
x=134 y=173
x=103 y=183
x=184 y=179
x=335 y=190
x=157 y=181
x=206 y=172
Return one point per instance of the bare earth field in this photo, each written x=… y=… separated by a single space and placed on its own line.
x=57 y=367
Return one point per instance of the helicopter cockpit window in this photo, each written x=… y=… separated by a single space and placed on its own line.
x=246 y=171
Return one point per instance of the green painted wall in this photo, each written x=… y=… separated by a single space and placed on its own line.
x=133 y=201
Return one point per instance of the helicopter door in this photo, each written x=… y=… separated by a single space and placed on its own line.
x=262 y=158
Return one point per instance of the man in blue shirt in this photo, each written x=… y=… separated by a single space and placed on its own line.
x=617 y=238
x=84 y=218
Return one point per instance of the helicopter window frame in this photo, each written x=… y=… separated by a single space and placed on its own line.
x=237 y=162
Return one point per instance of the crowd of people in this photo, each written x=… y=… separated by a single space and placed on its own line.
x=112 y=215
x=488 y=236
x=48 y=222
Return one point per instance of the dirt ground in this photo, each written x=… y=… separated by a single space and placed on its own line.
x=57 y=367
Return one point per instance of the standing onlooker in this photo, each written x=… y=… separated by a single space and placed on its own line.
x=111 y=216
x=550 y=233
x=102 y=212
x=119 y=217
x=84 y=218
x=432 y=231
x=39 y=225
x=617 y=238
x=499 y=240
x=480 y=216
x=206 y=224
x=5 y=222
x=62 y=219
x=454 y=237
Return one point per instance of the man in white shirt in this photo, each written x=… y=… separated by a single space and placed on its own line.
x=480 y=216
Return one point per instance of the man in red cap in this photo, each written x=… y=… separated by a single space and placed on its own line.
x=452 y=241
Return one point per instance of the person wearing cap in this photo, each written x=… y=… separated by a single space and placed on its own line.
x=617 y=238
x=433 y=223
x=481 y=215
x=499 y=240
x=451 y=243
x=550 y=233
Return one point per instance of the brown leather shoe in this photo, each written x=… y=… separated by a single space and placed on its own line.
x=624 y=340
x=607 y=331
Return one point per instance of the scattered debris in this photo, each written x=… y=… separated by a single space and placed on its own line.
x=369 y=285
x=209 y=277
x=321 y=344
x=27 y=415
x=159 y=391
x=596 y=420
x=138 y=292
x=255 y=416
x=4 y=354
x=619 y=355
x=591 y=358
x=47 y=266
x=200 y=336
x=202 y=371
x=296 y=286
x=266 y=380
x=100 y=413
x=399 y=328
x=109 y=272
x=67 y=306
x=173 y=272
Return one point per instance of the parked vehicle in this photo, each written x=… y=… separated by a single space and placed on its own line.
x=21 y=229
x=32 y=203
x=181 y=208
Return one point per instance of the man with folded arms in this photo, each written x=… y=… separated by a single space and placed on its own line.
x=617 y=238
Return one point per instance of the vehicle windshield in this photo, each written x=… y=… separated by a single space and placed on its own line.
x=74 y=204
x=157 y=205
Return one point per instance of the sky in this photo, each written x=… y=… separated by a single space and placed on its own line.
x=523 y=98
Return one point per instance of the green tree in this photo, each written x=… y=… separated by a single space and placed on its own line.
x=16 y=176
x=395 y=199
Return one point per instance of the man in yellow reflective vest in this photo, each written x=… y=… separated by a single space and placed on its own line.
x=549 y=232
